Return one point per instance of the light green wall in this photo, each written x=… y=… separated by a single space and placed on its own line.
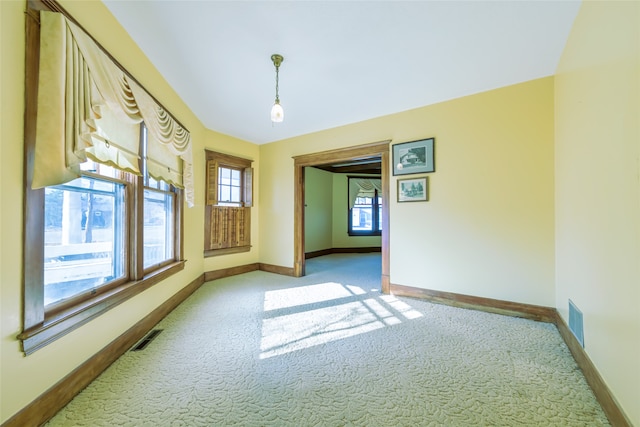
x=597 y=105
x=326 y=222
x=488 y=227
x=318 y=211
x=341 y=238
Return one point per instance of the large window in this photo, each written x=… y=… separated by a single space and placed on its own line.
x=105 y=233
x=86 y=228
x=365 y=207
x=84 y=236
x=228 y=208
x=104 y=190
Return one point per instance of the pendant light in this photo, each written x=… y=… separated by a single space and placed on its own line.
x=277 y=113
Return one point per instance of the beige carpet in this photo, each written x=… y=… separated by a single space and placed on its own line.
x=328 y=349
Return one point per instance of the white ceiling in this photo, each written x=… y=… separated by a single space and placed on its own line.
x=344 y=61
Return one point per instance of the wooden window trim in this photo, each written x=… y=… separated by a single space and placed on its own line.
x=40 y=326
x=216 y=214
x=72 y=318
x=215 y=160
x=226 y=251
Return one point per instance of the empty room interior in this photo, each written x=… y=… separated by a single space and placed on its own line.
x=479 y=155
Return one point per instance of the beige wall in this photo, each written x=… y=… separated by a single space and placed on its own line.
x=488 y=227
x=12 y=104
x=598 y=190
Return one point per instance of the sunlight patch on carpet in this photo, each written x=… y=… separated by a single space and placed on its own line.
x=405 y=309
x=291 y=297
x=295 y=330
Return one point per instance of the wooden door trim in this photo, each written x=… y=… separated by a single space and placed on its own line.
x=339 y=155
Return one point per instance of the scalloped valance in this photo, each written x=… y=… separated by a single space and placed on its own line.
x=89 y=108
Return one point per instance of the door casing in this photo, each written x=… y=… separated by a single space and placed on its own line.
x=341 y=155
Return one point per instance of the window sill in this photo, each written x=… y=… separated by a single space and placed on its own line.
x=365 y=233
x=67 y=320
x=226 y=251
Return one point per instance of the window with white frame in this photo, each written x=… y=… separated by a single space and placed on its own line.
x=229 y=186
x=84 y=235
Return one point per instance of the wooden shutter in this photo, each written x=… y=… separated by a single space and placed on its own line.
x=230 y=227
x=248 y=187
x=212 y=183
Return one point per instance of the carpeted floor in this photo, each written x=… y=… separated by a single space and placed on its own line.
x=328 y=349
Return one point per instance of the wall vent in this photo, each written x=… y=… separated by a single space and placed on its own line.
x=575 y=323
x=147 y=340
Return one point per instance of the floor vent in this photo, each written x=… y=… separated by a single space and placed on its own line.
x=575 y=323
x=147 y=340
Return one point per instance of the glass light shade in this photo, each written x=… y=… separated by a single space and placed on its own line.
x=277 y=113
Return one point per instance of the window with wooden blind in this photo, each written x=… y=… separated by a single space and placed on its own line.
x=229 y=197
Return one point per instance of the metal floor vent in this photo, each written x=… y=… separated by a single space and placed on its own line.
x=575 y=323
x=147 y=340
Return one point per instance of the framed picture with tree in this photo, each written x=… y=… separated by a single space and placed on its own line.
x=413 y=189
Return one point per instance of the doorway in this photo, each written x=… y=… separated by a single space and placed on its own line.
x=349 y=154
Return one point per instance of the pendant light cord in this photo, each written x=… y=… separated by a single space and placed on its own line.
x=277 y=83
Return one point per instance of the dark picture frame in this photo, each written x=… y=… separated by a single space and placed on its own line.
x=414 y=157
x=413 y=189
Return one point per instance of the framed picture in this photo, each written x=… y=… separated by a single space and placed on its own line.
x=414 y=157
x=413 y=189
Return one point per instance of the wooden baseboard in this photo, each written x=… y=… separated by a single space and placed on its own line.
x=363 y=250
x=51 y=401
x=607 y=401
x=527 y=311
x=277 y=269
x=603 y=395
x=315 y=254
x=330 y=251
x=232 y=271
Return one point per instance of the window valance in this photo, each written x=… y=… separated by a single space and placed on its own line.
x=363 y=187
x=89 y=108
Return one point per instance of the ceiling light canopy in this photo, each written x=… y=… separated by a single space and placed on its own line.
x=277 y=113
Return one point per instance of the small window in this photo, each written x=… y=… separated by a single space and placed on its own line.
x=365 y=210
x=228 y=210
x=229 y=186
